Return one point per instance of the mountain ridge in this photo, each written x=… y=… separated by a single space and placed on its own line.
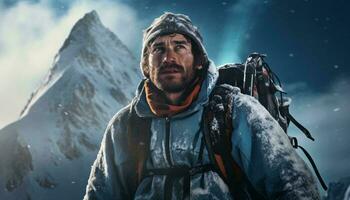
x=81 y=40
x=48 y=152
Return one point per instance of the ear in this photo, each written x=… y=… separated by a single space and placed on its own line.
x=146 y=71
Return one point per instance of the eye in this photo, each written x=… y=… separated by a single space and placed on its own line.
x=179 y=46
x=158 y=50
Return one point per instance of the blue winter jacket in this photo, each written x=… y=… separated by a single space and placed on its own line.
x=260 y=148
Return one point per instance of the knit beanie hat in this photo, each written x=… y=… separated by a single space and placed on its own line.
x=169 y=23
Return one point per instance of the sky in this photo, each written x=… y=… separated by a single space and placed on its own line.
x=306 y=41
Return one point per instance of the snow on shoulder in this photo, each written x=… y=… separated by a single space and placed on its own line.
x=275 y=151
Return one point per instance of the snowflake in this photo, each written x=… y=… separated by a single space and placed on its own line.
x=336 y=109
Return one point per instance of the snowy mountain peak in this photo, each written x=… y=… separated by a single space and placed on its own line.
x=47 y=153
x=91 y=17
x=84 y=30
x=88 y=20
x=90 y=48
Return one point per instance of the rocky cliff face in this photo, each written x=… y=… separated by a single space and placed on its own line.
x=339 y=190
x=48 y=152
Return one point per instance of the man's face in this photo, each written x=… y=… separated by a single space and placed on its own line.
x=170 y=63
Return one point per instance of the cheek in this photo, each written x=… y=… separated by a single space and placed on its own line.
x=152 y=61
x=188 y=62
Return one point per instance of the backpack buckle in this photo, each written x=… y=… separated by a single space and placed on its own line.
x=294 y=142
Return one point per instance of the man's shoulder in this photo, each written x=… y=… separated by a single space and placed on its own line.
x=121 y=117
x=249 y=106
x=245 y=101
x=239 y=99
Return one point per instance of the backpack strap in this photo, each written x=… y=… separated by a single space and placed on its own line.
x=296 y=145
x=139 y=133
x=217 y=129
x=301 y=127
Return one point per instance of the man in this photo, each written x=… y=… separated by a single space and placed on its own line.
x=178 y=81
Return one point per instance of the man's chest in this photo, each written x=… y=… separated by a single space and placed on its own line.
x=176 y=142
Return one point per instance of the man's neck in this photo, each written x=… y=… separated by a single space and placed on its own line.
x=174 y=98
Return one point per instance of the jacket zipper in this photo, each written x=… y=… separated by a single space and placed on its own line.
x=168 y=180
x=167 y=141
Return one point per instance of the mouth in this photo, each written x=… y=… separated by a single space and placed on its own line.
x=170 y=71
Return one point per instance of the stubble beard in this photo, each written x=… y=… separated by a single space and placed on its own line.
x=168 y=85
x=174 y=86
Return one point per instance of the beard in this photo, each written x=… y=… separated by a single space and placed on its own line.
x=172 y=87
x=171 y=84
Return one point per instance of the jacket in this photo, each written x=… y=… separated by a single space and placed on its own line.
x=260 y=147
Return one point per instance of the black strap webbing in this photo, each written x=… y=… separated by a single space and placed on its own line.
x=295 y=144
x=301 y=127
x=314 y=167
x=179 y=171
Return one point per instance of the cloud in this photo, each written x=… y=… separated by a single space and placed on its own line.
x=327 y=117
x=32 y=33
x=119 y=18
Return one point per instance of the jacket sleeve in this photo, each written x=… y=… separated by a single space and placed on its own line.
x=265 y=154
x=110 y=171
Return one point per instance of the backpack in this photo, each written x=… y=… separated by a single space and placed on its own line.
x=254 y=78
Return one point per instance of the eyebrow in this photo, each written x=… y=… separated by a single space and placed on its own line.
x=157 y=44
x=181 y=42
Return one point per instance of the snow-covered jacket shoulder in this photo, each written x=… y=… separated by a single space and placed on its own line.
x=265 y=154
x=111 y=173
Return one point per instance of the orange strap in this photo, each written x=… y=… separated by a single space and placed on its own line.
x=220 y=162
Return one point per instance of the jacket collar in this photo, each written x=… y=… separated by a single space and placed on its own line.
x=143 y=110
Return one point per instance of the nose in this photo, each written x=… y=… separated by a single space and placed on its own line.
x=169 y=56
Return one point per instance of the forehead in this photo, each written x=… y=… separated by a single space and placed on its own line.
x=170 y=38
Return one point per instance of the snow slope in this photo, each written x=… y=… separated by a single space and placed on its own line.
x=48 y=152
